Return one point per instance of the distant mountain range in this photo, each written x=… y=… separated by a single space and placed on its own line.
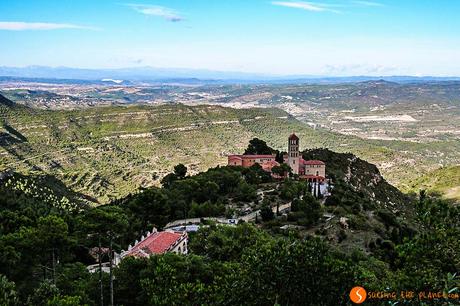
x=188 y=76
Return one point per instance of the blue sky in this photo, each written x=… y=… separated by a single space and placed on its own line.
x=341 y=37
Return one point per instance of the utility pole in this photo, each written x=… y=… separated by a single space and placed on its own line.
x=54 y=268
x=100 y=272
x=110 y=271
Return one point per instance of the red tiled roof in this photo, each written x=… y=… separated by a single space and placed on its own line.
x=313 y=162
x=252 y=156
x=293 y=136
x=156 y=243
x=258 y=156
x=267 y=166
x=234 y=157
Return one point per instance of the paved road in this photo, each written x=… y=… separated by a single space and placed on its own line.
x=194 y=221
x=250 y=216
x=247 y=218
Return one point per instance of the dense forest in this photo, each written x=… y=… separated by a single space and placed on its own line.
x=47 y=238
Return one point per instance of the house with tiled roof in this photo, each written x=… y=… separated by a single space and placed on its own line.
x=312 y=170
x=156 y=243
x=153 y=243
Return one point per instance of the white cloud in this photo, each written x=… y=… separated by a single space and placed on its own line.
x=324 y=7
x=159 y=11
x=308 y=6
x=23 y=26
x=368 y=3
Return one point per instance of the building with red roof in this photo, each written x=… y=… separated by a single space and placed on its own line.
x=153 y=243
x=158 y=243
x=266 y=161
x=312 y=170
x=313 y=163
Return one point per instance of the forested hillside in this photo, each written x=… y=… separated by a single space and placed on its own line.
x=47 y=238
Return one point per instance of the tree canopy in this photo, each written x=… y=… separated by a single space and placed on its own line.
x=45 y=247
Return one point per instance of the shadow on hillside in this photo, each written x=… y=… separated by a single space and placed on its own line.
x=11 y=140
x=12 y=131
x=6 y=143
x=6 y=139
x=60 y=188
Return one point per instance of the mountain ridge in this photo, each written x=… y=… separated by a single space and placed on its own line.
x=205 y=76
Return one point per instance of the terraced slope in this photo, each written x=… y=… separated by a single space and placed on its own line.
x=109 y=152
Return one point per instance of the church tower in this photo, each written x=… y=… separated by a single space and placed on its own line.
x=293 y=153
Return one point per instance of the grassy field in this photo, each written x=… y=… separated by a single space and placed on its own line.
x=109 y=152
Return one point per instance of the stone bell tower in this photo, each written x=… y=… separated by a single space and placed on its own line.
x=293 y=153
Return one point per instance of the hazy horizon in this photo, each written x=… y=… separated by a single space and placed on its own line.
x=205 y=76
x=261 y=74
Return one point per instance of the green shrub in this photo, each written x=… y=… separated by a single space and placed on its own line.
x=342 y=235
x=387 y=218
